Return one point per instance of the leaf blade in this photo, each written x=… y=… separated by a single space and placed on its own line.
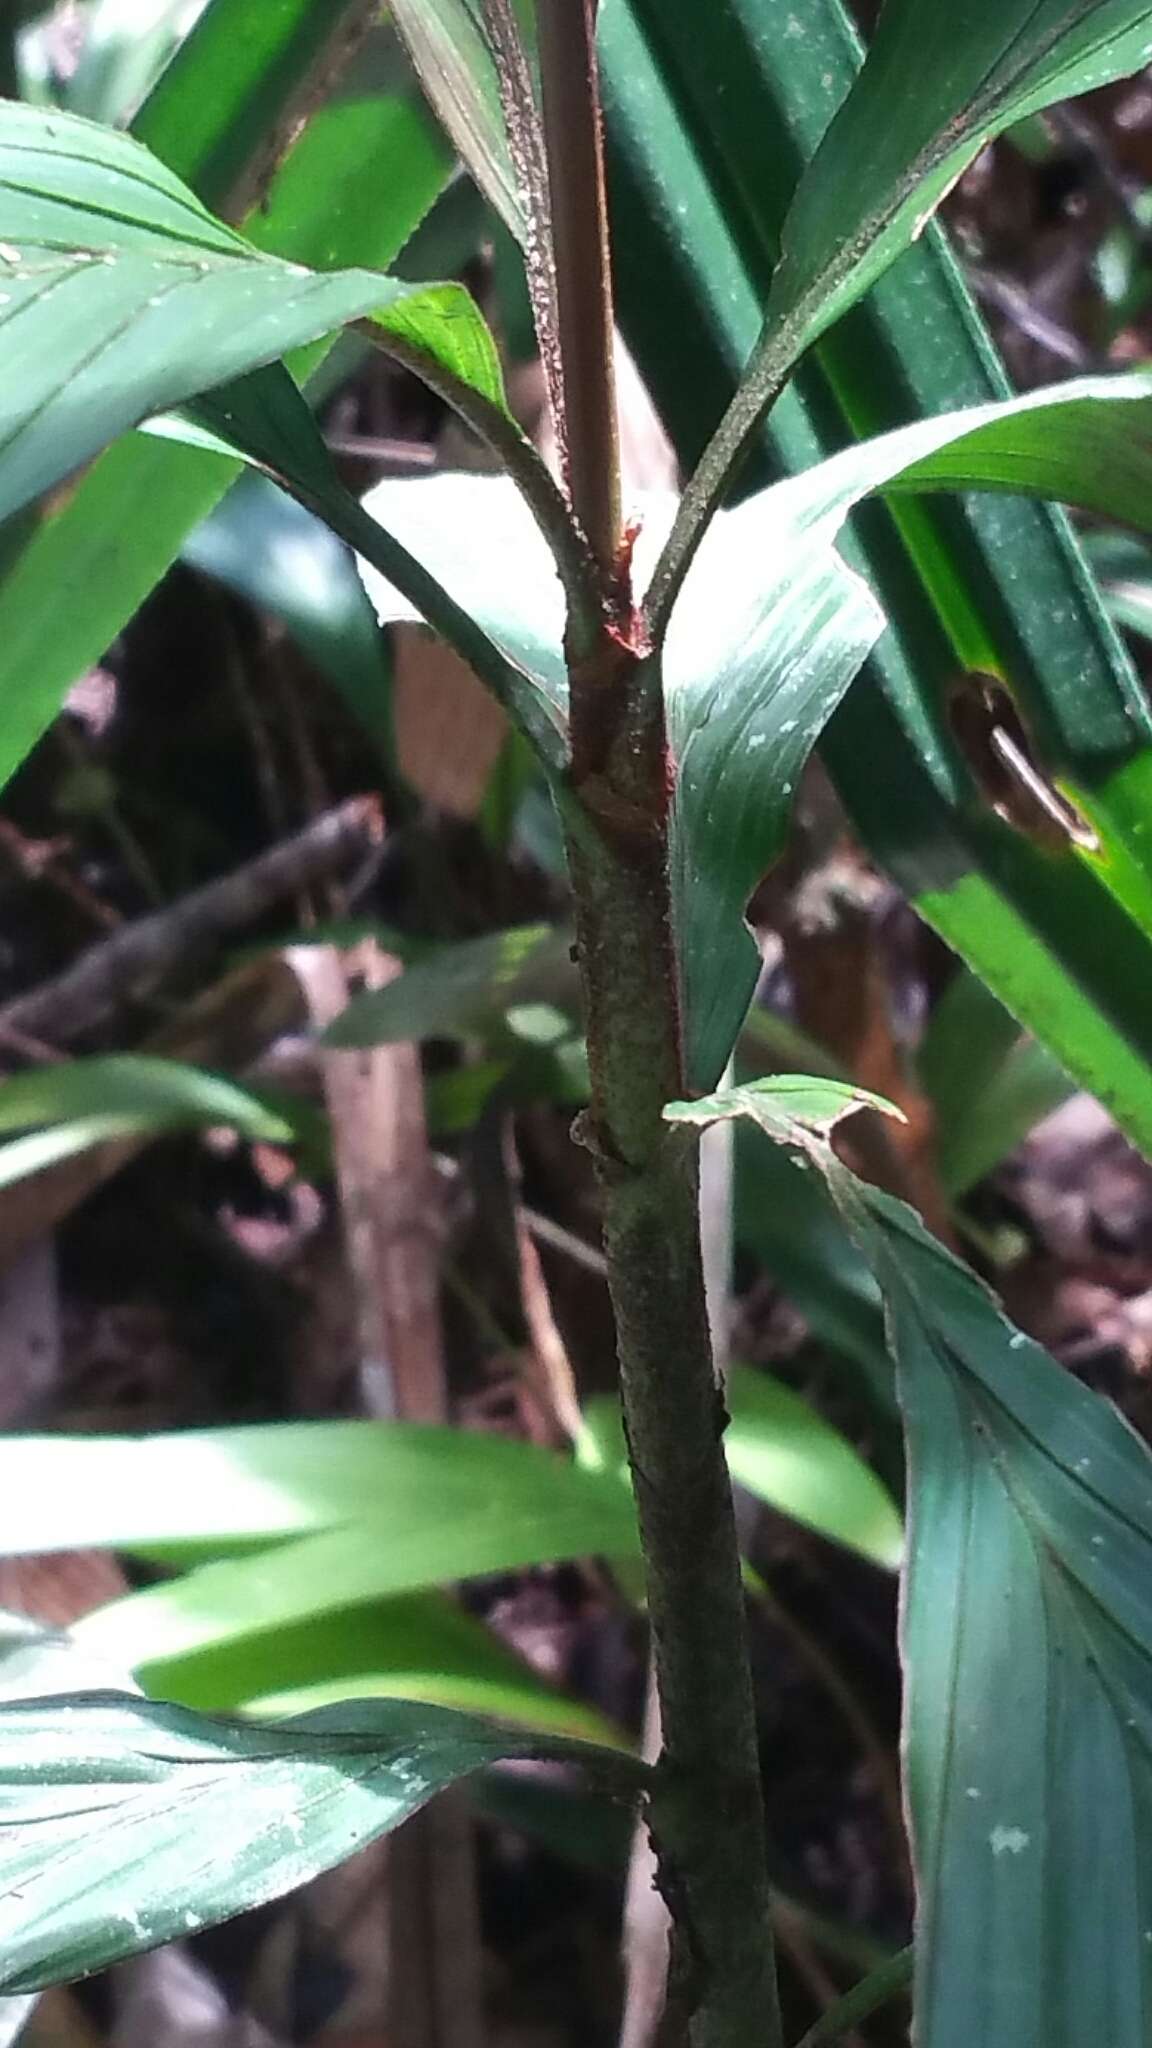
x=123 y=297
x=219 y=1490
x=977 y=583
x=156 y=1094
x=891 y=153
x=94 y=1851
x=87 y=562
x=1027 y=1640
x=757 y=661
x=874 y=180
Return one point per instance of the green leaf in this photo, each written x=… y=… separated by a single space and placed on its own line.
x=475 y=536
x=766 y=638
x=879 y=174
x=123 y=1095
x=36 y=1660
x=217 y=1492
x=156 y=1094
x=909 y=128
x=459 y=990
x=1027 y=1641
x=782 y=1451
x=397 y=1508
x=226 y=92
x=453 y=62
x=352 y=188
x=41 y=1149
x=124 y=1823
x=987 y=1081
x=261 y=544
x=711 y=118
x=198 y=1491
x=420 y=1646
x=1083 y=441
x=122 y=296
x=755 y=663
x=787 y=1455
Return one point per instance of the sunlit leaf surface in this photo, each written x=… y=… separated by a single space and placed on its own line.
x=124 y=1823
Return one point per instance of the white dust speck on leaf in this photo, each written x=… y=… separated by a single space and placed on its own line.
x=1004 y=1841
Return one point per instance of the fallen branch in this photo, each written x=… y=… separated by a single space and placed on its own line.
x=136 y=957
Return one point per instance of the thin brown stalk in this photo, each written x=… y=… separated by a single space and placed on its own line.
x=388 y=1203
x=573 y=135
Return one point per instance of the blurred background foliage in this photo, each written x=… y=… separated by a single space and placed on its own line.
x=292 y=1041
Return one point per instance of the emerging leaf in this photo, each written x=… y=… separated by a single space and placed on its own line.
x=783 y=1105
x=453 y=62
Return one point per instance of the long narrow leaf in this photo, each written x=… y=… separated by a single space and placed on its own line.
x=217 y=1490
x=898 y=143
x=908 y=129
x=787 y=1456
x=419 y=1646
x=981 y=583
x=101 y=1795
x=771 y=629
x=1027 y=1641
x=89 y=561
x=156 y=1093
x=122 y=296
x=454 y=64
